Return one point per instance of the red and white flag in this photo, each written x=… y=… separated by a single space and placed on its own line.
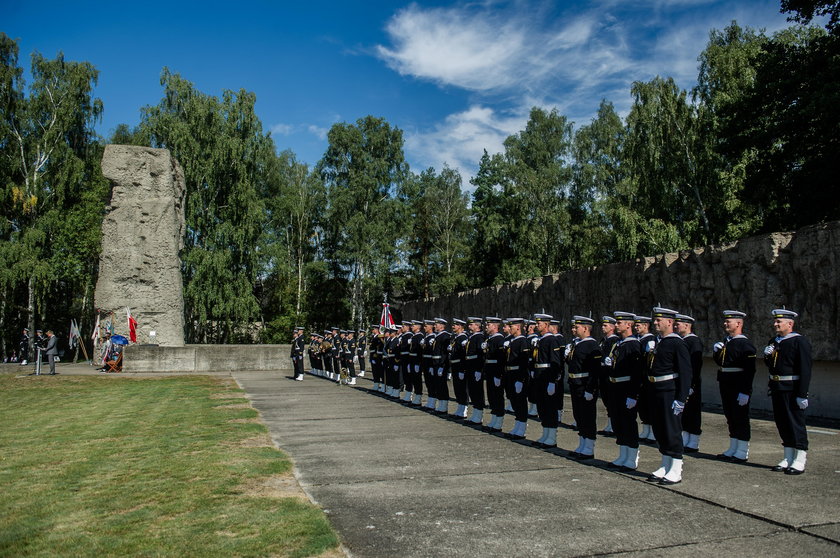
x=95 y=335
x=132 y=326
x=386 y=320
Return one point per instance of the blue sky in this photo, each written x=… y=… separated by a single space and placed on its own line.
x=456 y=77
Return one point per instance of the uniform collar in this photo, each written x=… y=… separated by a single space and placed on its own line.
x=790 y=335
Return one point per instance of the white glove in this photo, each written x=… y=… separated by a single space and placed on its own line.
x=366 y=354
x=416 y=368
x=802 y=402
x=691 y=391
x=518 y=386
x=743 y=399
x=630 y=402
x=678 y=407
x=588 y=396
x=568 y=350
x=484 y=345
x=497 y=382
x=355 y=360
x=396 y=367
x=535 y=341
x=440 y=371
x=464 y=343
x=460 y=375
x=651 y=345
x=768 y=350
x=506 y=344
x=552 y=387
x=478 y=376
x=607 y=361
x=718 y=346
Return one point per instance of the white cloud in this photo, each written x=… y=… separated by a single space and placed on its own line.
x=282 y=129
x=318 y=131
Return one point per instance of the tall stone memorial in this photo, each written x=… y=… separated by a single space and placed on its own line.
x=142 y=235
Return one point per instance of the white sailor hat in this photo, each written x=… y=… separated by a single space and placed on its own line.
x=643 y=319
x=685 y=318
x=456 y=321
x=783 y=313
x=660 y=312
x=428 y=322
x=474 y=320
x=441 y=321
x=493 y=320
x=514 y=320
x=543 y=317
x=582 y=320
x=607 y=320
x=625 y=316
x=298 y=328
x=416 y=322
x=736 y=314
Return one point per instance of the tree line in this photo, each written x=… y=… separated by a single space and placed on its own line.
x=754 y=147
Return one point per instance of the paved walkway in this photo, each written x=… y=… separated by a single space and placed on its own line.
x=399 y=482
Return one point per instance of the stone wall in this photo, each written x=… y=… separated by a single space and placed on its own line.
x=207 y=358
x=799 y=270
x=142 y=235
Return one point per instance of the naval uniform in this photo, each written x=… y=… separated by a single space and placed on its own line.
x=495 y=357
x=561 y=387
x=789 y=365
x=625 y=379
x=440 y=364
x=668 y=380
x=606 y=344
x=516 y=376
x=297 y=355
x=375 y=351
x=428 y=347
x=348 y=352
x=415 y=356
x=474 y=366
x=458 y=364
x=548 y=369
x=584 y=367
x=646 y=342
x=533 y=393
x=691 y=417
x=404 y=346
x=361 y=349
x=737 y=369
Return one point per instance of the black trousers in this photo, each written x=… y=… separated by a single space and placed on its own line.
x=361 y=363
x=737 y=416
x=667 y=427
x=297 y=364
x=476 y=390
x=459 y=386
x=546 y=404
x=790 y=420
x=496 y=396
x=623 y=419
x=643 y=407
x=441 y=385
x=692 y=413
x=585 y=412
x=376 y=371
x=534 y=394
x=518 y=401
x=351 y=368
x=417 y=377
x=428 y=377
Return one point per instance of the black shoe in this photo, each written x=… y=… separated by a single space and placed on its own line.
x=723 y=457
x=734 y=459
x=653 y=478
x=667 y=482
x=582 y=456
x=792 y=471
x=691 y=450
x=516 y=437
x=779 y=469
x=612 y=465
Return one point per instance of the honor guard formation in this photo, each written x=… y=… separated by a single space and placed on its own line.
x=521 y=366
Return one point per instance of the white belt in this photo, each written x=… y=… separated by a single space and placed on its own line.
x=661 y=378
x=620 y=379
x=731 y=369
x=511 y=368
x=412 y=354
x=543 y=365
x=453 y=361
x=491 y=361
x=437 y=357
x=471 y=357
x=576 y=376
x=783 y=378
x=405 y=353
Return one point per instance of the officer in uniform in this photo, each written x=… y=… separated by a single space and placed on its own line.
x=691 y=417
x=548 y=366
x=788 y=359
x=516 y=377
x=735 y=356
x=458 y=365
x=666 y=389
x=298 y=345
x=647 y=341
x=608 y=341
x=440 y=365
x=335 y=353
x=404 y=346
x=387 y=360
x=415 y=356
x=392 y=371
x=624 y=366
x=583 y=357
x=350 y=352
x=474 y=366
x=23 y=347
x=533 y=396
x=495 y=358
x=428 y=347
x=375 y=345
x=554 y=329
x=311 y=351
x=326 y=353
x=361 y=351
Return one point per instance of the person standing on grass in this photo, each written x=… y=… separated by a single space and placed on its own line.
x=52 y=350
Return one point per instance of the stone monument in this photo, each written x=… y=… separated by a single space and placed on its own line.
x=142 y=235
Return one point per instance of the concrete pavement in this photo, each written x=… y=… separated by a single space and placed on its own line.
x=397 y=481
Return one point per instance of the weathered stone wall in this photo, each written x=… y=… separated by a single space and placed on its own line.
x=142 y=235
x=796 y=269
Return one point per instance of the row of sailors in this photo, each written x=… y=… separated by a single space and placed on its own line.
x=655 y=378
x=335 y=354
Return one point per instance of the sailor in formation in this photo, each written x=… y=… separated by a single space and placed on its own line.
x=655 y=379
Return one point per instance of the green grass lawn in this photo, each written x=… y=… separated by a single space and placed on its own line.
x=93 y=466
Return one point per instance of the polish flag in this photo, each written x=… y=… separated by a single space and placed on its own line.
x=132 y=326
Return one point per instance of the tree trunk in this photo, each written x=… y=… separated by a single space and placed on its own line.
x=30 y=309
